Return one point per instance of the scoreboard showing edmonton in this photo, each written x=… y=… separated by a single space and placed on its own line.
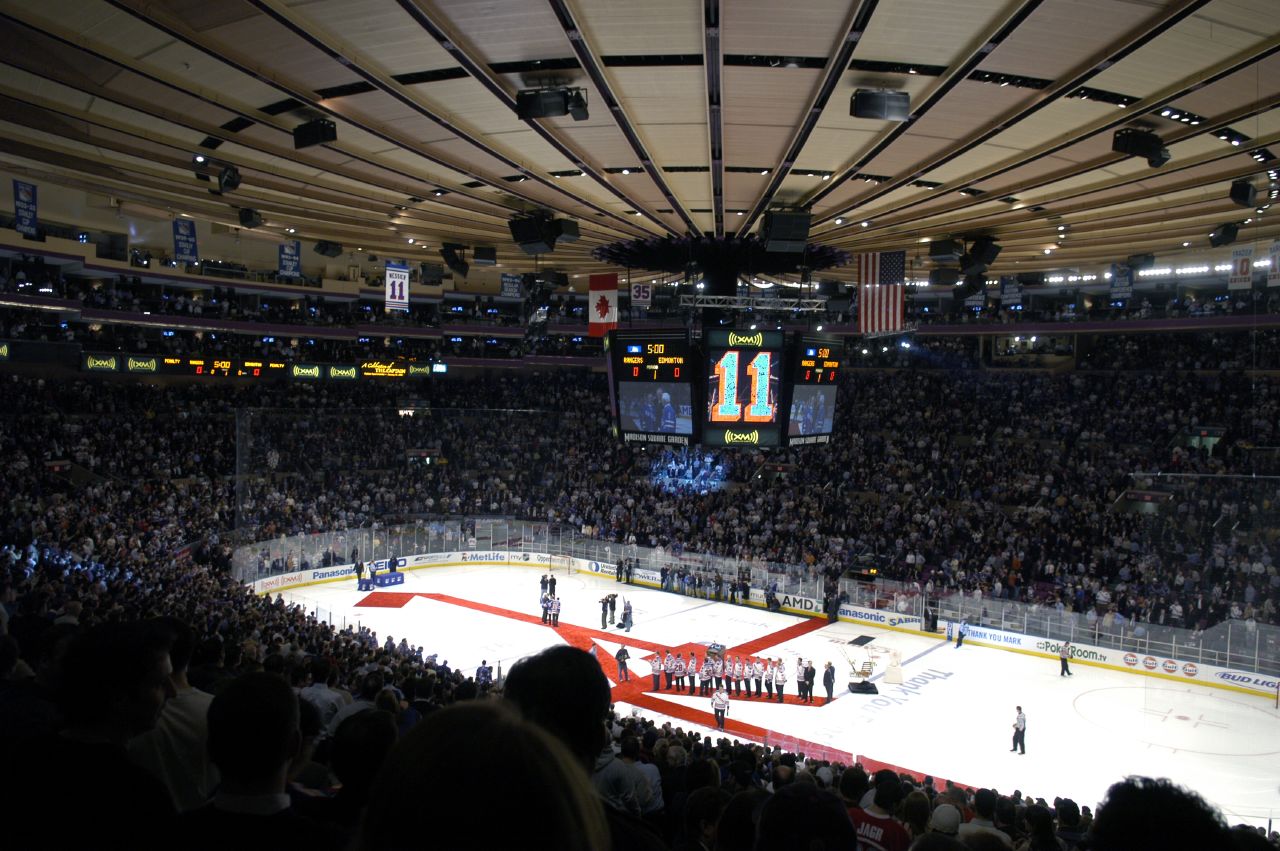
x=653 y=380
x=744 y=371
x=813 y=391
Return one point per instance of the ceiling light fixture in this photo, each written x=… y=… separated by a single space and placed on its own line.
x=839 y=221
x=866 y=224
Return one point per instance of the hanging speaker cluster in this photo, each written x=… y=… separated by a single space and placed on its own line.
x=537 y=233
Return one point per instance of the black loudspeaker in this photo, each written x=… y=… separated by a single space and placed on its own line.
x=314 y=133
x=980 y=256
x=1135 y=142
x=945 y=249
x=432 y=273
x=887 y=105
x=1030 y=279
x=785 y=232
x=1141 y=261
x=328 y=249
x=944 y=277
x=973 y=284
x=534 y=235
x=1243 y=193
x=566 y=230
x=229 y=179
x=1224 y=235
x=556 y=279
x=454 y=261
x=542 y=103
x=250 y=218
x=484 y=256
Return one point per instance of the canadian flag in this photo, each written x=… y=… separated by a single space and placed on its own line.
x=602 y=304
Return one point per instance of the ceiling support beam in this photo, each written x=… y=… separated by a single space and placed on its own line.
x=595 y=70
x=836 y=66
x=1084 y=72
x=430 y=21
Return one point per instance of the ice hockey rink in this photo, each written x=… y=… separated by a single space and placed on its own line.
x=951 y=718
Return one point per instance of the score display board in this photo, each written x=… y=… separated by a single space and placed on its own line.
x=652 y=376
x=816 y=365
x=743 y=380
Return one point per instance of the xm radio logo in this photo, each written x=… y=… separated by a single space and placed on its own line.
x=731 y=436
x=94 y=362
x=736 y=339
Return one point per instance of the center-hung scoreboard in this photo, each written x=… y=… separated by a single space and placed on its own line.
x=733 y=388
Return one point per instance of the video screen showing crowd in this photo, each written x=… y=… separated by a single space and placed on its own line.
x=752 y=388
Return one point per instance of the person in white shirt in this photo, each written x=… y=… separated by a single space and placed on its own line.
x=720 y=704
x=768 y=678
x=779 y=680
x=655 y=668
x=717 y=671
x=800 y=678
x=737 y=676
x=1019 y=732
x=757 y=671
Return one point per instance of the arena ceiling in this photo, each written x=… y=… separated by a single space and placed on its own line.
x=702 y=115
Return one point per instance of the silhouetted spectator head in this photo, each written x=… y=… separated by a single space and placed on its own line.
x=889 y=791
x=1246 y=838
x=803 y=817
x=360 y=747
x=737 y=828
x=702 y=812
x=916 y=812
x=704 y=773
x=1067 y=809
x=179 y=637
x=563 y=690
x=322 y=671
x=1140 y=812
x=116 y=679
x=254 y=732
x=447 y=763
x=370 y=684
x=984 y=804
x=853 y=785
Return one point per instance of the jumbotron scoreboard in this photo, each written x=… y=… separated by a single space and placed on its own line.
x=736 y=388
x=816 y=365
x=744 y=376
x=652 y=383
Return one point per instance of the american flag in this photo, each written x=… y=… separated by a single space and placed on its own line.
x=881 y=291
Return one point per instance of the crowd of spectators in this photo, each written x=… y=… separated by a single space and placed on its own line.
x=122 y=500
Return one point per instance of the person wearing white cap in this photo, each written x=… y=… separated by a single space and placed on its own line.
x=945 y=820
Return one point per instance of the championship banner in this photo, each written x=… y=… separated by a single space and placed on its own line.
x=642 y=295
x=976 y=301
x=1010 y=291
x=185 y=249
x=1121 y=281
x=397 y=280
x=1241 y=269
x=290 y=265
x=512 y=285
x=1273 y=274
x=24 y=208
x=602 y=304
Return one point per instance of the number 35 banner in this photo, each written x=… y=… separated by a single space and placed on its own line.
x=397 y=280
x=641 y=295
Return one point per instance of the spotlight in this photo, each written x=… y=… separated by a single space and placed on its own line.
x=578 y=105
x=199 y=159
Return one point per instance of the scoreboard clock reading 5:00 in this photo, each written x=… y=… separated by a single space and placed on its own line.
x=656 y=360
x=743 y=379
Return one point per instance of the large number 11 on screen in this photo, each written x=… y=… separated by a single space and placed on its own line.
x=728 y=409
